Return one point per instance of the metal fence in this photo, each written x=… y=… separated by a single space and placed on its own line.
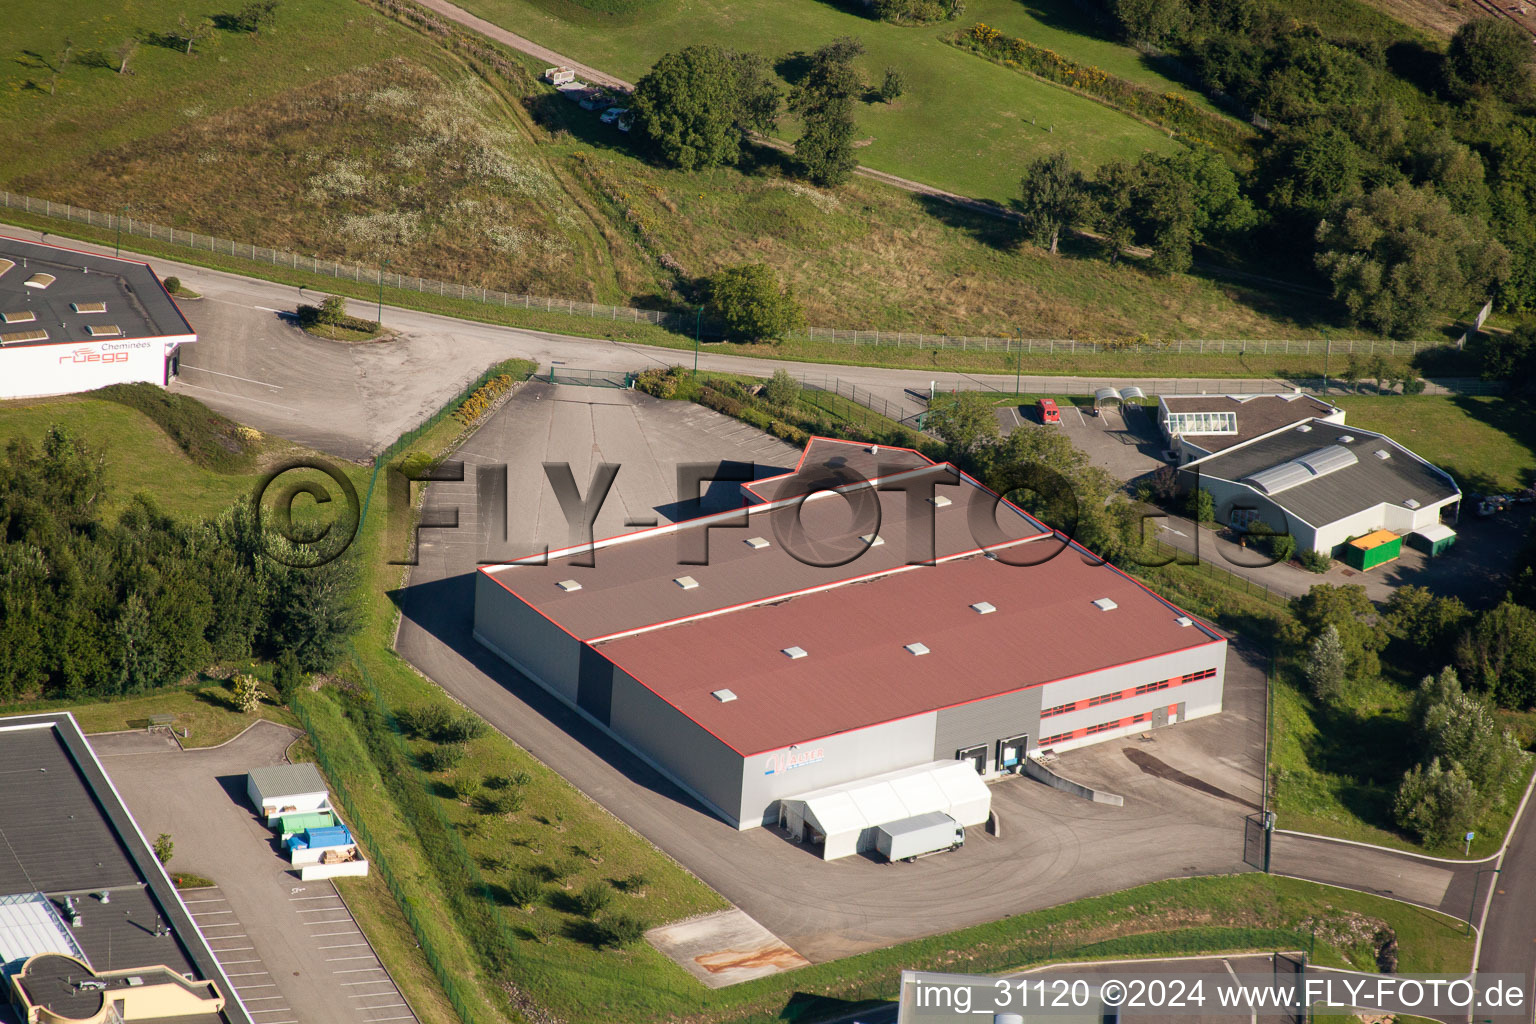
x=857 y=395
x=1153 y=387
x=682 y=321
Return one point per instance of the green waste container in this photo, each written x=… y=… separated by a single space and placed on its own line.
x=1372 y=550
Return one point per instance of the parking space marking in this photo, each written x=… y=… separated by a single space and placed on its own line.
x=357 y=970
x=300 y=899
x=261 y=984
x=248 y=974
x=237 y=963
x=326 y=935
x=338 y=959
x=262 y=999
x=317 y=910
x=234 y=949
x=345 y=945
x=208 y=913
x=403 y=1016
x=375 y=981
x=339 y=920
x=216 y=899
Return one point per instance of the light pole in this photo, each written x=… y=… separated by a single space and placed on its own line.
x=117 y=249
x=379 y=318
x=1018 y=360
x=1476 y=881
x=1327 y=347
x=698 y=325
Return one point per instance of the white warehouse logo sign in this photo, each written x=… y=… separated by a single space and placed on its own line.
x=112 y=352
x=789 y=760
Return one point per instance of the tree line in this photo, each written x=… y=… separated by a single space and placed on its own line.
x=1403 y=177
x=97 y=607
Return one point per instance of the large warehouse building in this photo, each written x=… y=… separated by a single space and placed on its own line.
x=75 y=321
x=793 y=649
x=91 y=929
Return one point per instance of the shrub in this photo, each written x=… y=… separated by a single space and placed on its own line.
x=752 y=303
x=593 y=898
x=460 y=728
x=782 y=389
x=523 y=890
x=892 y=85
x=441 y=757
x=165 y=847
x=634 y=884
x=1282 y=547
x=1436 y=803
x=658 y=382
x=463 y=786
x=560 y=871
x=617 y=930
x=425 y=721
x=1315 y=561
x=501 y=801
x=172 y=284
x=1202 y=506
x=247 y=693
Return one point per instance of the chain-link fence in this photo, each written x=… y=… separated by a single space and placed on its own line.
x=684 y=321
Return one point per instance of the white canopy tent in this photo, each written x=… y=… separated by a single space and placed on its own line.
x=844 y=817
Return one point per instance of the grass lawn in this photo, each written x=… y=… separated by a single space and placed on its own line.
x=1487 y=443
x=140 y=457
x=206 y=709
x=963 y=123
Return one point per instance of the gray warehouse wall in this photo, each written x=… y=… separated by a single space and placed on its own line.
x=984 y=722
x=679 y=747
x=536 y=646
x=846 y=757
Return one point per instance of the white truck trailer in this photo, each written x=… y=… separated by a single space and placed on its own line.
x=911 y=838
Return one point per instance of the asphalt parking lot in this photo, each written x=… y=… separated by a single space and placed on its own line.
x=1187 y=790
x=291 y=949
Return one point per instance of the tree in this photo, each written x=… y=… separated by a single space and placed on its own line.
x=782 y=389
x=749 y=300
x=593 y=898
x=59 y=64
x=1433 y=691
x=824 y=100
x=1325 y=666
x=247 y=693
x=1304 y=175
x=192 y=32
x=618 y=929
x=965 y=422
x=1489 y=54
x=1426 y=623
x=1053 y=196
x=313 y=612
x=1202 y=506
x=1436 y=802
x=124 y=53
x=165 y=847
x=1462 y=730
x=695 y=106
x=1152 y=21
x=1378 y=369
x=1511 y=357
x=1400 y=253
x=523 y=890
x=1498 y=654
x=1350 y=612
x=892 y=85
x=287 y=677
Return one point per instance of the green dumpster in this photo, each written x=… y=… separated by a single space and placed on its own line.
x=1432 y=540
x=292 y=824
x=1372 y=550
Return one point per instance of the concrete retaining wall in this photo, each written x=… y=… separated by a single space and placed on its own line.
x=1035 y=770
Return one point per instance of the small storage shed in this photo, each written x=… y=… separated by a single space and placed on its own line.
x=1373 y=549
x=844 y=819
x=1433 y=539
x=286 y=789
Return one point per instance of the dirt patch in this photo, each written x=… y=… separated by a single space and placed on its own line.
x=777 y=957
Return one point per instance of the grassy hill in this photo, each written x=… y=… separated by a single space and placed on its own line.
x=963 y=124
x=347 y=135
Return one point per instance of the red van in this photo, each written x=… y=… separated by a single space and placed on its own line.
x=1048 y=411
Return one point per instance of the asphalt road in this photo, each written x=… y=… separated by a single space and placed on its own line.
x=352 y=400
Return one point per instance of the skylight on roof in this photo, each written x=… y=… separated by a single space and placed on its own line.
x=757 y=543
x=1412 y=502
x=25 y=316
x=568 y=585
x=1104 y=604
x=917 y=649
x=724 y=696
x=940 y=501
x=687 y=582
x=795 y=653
x=873 y=540
x=103 y=330
x=40 y=281
x=1382 y=453
x=984 y=607
x=88 y=307
x=1184 y=620
x=1305 y=428
x=1346 y=438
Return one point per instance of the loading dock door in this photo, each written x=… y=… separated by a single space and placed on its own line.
x=976 y=755
x=1011 y=751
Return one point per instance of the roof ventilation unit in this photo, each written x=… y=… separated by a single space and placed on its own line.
x=918 y=649
x=984 y=607
x=1184 y=620
x=723 y=696
x=1346 y=438
x=795 y=653
x=687 y=582
x=568 y=585
x=1382 y=453
x=757 y=543
x=872 y=540
x=874 y=449
x=1305 y=428
x=939 y=501
x=1104 y=604
x=1412 y=502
